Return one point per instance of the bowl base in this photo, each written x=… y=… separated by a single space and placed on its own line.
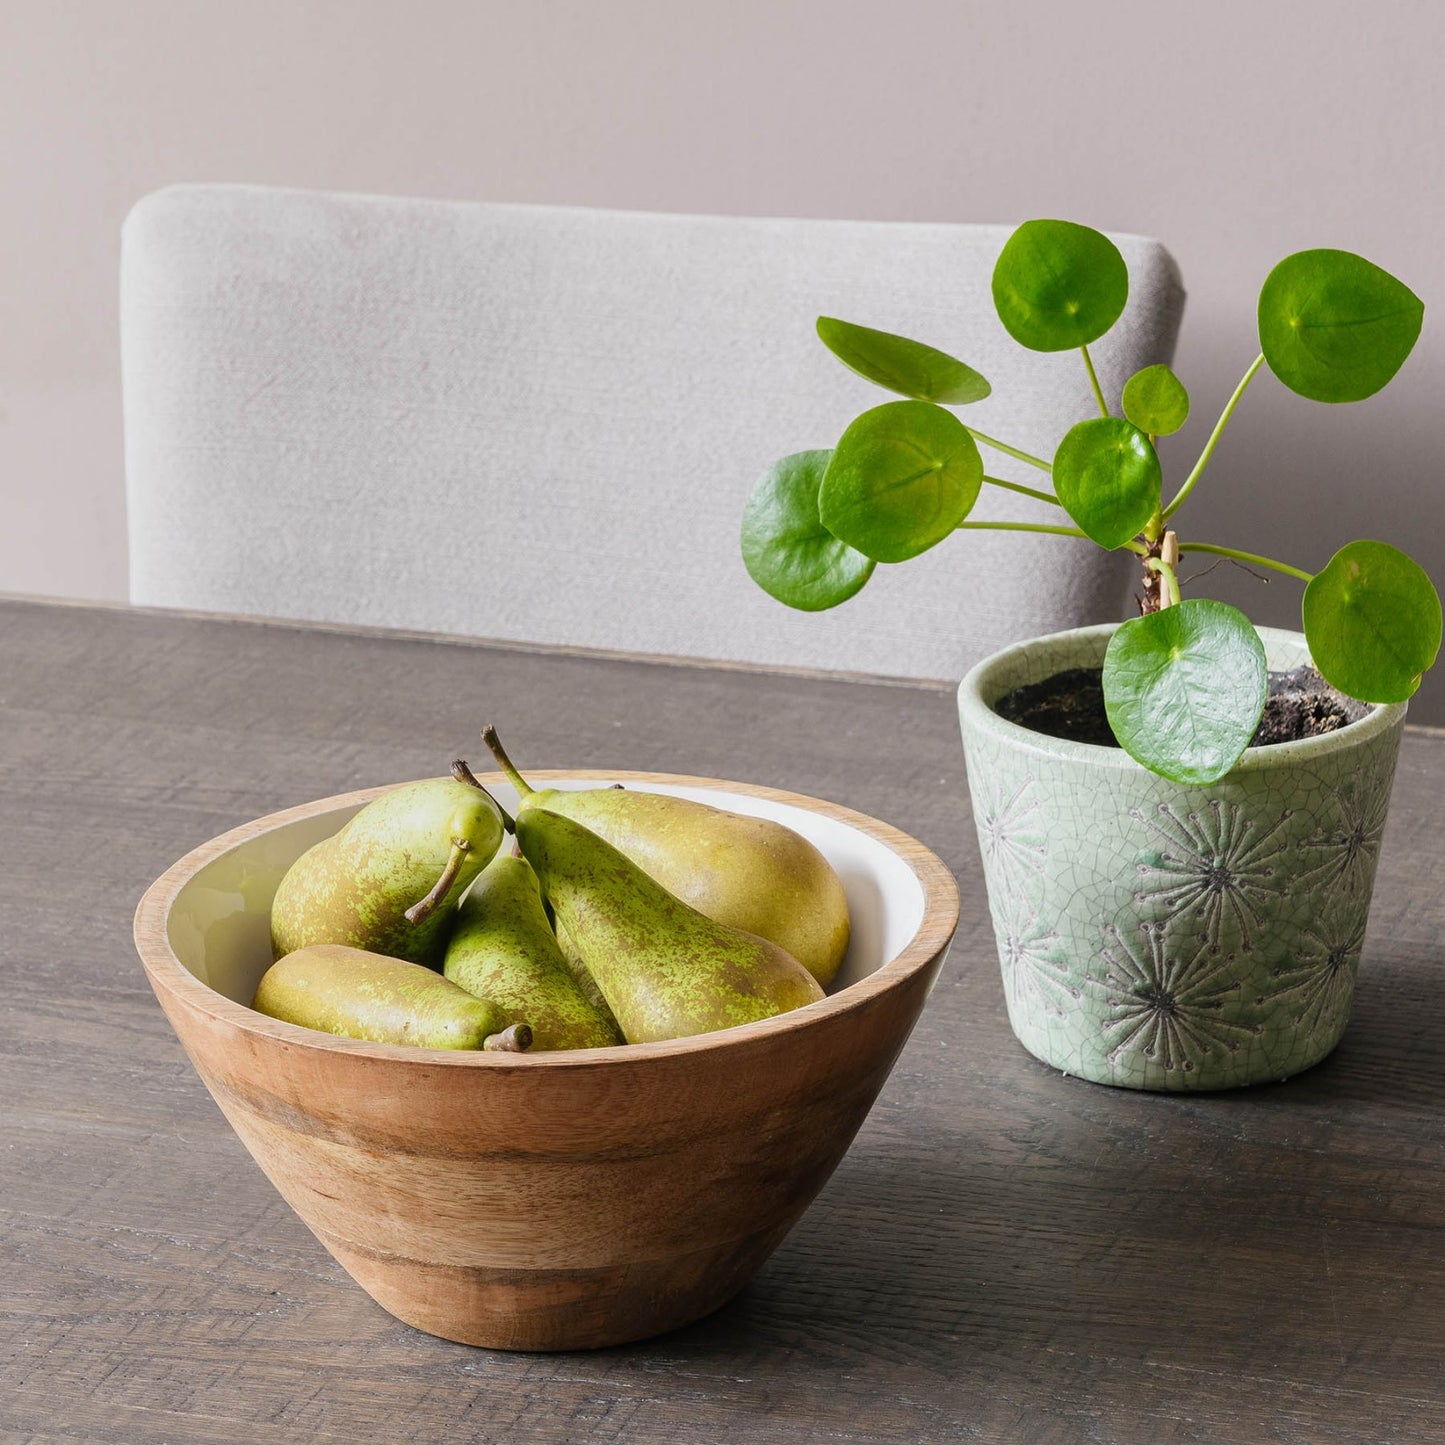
x=563 y=1309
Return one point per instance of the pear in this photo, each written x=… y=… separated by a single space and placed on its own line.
x=362 y=995
x=750 y=873
x=390 y=880
x=503 y=950
x=666 y=970
x=580 y=971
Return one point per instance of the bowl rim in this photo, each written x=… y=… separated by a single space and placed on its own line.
x=169 y=976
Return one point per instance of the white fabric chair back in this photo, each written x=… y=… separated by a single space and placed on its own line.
x=540 y=424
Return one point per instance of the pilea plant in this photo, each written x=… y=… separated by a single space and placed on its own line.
x=1185 y=682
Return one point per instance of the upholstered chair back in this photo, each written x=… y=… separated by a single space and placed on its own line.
x=541 y=424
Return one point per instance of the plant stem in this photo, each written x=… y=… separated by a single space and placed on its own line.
x=1214 y=436
x=1022 y=527
x=1132 y=546
x=1007 y=450
x=1169 y=581
x=1094 y=382
x=1172 y=577
x=1238 y=556
x=1023 y=490
x=494 y=746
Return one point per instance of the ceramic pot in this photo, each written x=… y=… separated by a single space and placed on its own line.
x=1158 y=936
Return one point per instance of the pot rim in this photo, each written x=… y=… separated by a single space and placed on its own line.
x=978 y=713
x=172 y=980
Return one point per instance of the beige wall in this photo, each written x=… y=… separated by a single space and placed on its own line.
x=1234 y=131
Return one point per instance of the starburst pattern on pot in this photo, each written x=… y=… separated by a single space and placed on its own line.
x=1343 y=852
x=1215 y=864
x=1167 y=1006
x=1011 y=834
x=1036 y=975
x=1320 y=980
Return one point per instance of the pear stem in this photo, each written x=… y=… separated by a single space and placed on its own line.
x=463 y=774
x=494 y=745
x=419 y=912
x=514 y=1039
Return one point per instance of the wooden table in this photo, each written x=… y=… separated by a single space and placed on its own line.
x=1005 y=1254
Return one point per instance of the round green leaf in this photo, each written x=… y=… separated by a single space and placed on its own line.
x=1372 y=621
x=1184 y=689
x=902 y=477
x=1155 y=401
x=1057 y=285
x=1106 y=473
x=1334 y=326
x=908 y=367
x=788 y=552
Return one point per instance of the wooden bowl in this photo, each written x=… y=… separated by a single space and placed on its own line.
x=548 y=1201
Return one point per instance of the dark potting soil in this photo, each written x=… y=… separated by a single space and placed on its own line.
x=1070 y=705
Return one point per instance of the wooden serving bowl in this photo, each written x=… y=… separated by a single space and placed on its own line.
x=548 y=1201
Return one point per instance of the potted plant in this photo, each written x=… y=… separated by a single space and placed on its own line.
x=1179 y=863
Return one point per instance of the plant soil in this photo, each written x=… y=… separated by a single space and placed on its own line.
x=1070 y=705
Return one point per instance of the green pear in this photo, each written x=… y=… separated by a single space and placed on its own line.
x=666 y=970
x=502 y=949
x=584 y=979
x=580 y=971
x=750 y=873
x=362 y=995
x=390 y=880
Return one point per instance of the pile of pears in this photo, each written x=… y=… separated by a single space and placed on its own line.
x=618 y=917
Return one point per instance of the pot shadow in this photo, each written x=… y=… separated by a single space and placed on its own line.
x=1068 y=1230
x=1083 y=1297
x=1392 y=1055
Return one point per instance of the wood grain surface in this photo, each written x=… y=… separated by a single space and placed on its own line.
x=1004 y=1254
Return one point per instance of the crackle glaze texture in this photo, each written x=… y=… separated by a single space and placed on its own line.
x=1157 y=936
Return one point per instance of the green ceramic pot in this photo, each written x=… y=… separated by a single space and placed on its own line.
x=1157 y=936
